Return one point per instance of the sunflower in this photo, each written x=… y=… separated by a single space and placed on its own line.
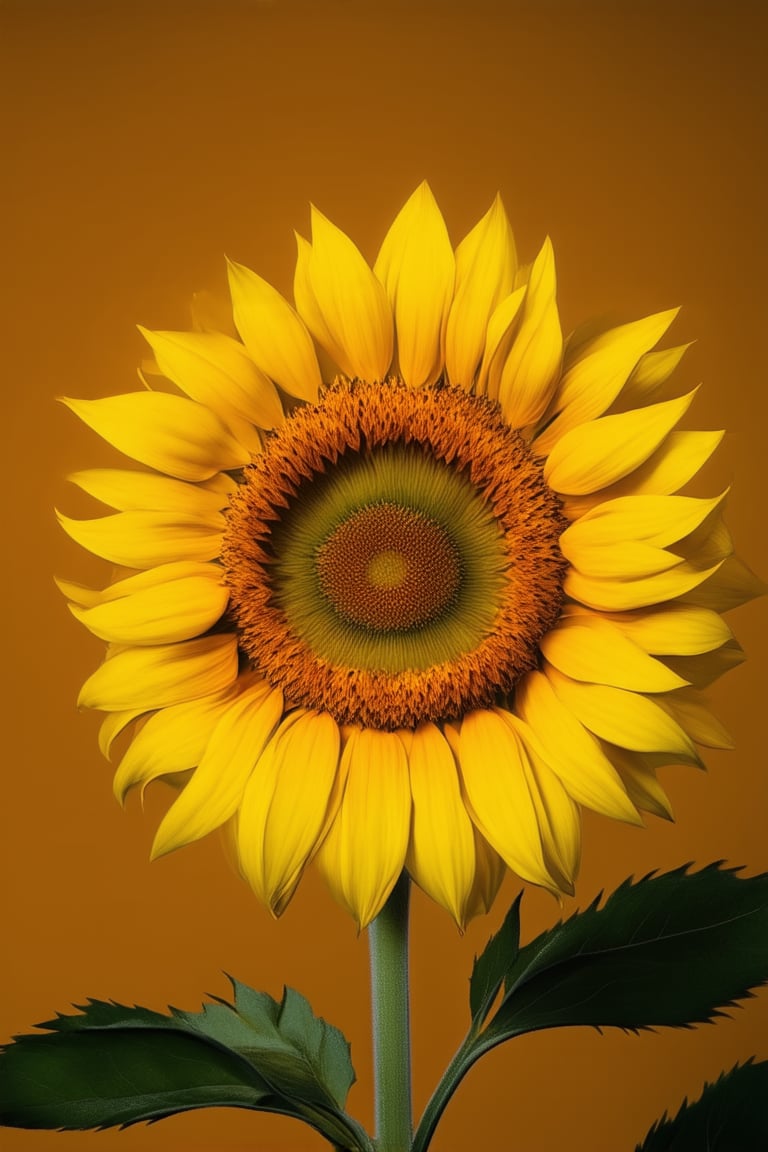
x=409 y=578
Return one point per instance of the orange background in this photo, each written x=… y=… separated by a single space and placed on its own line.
x=144 y=140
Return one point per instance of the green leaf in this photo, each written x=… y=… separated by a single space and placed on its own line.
x=730 y=1114
x=289 y=1044
x=112 y=1064
x=96 y=1079
x=322 y=1048
x=671 y=949
x=492 y=965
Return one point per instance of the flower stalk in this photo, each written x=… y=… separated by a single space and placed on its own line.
x=390 y=1008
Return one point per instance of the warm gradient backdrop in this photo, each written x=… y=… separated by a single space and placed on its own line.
x=143 y=141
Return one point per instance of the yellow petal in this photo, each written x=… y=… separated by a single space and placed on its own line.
x=707 y=544
x=622 y=561
x=623 y=595
x=703 y=669
x=679 y=629
x=499 y=338
x=364 y=851
x=172 y=740
x=304 y=295
x=216 y=789
x=169 y=611
x=78 y=593
x=493 y=765
x=144 y=539
x=284 y=806
x=652 y=370
x=170 y=433
x=485 y=275
x=692 y=713
x=640 y=781
x=490 y=870
x=589 y=648
x=355 y=312
x=146 y=491
x=113 y=724
x=138 y=582
x=212 y=313
x=274 y=334
x=221 y=483
x=557 y=814
x=531 y=371
x=600 y=452
x=657 y=520
x=218 y=372
x=583 y=339
x=417 y=268
x=592 y=380
x=572 y=752
x=442 y=854
x=624 y=718
x=672 y=465
x=157 y=677
x=727 y=585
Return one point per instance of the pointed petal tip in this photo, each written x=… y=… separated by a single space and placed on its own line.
x=317 y=217
x=80 y=702
x=669 y=315
x=157 y=850
x=423 y=191
x=120 y=793
x=77 y=612
x=164 y=843
x=235 y=268
x=497 y=213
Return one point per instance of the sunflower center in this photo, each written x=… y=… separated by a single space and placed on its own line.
x=392 y=557
x=389 y=568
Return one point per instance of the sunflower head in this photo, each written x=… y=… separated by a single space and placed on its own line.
x=393 y=556
x=414 y=615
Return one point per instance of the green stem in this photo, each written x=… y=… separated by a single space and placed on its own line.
x=473 y=1047
x=388 y=943
x=462 y=1061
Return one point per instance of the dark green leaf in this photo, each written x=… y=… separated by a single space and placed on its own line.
x=669 y=950
x=116 y=1065
x=492 y=965
x=96 y=1079
x=321 y=1048
x=730 y=1115
x=289 y=1045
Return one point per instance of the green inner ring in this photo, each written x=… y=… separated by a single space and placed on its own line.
x=405 y=475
